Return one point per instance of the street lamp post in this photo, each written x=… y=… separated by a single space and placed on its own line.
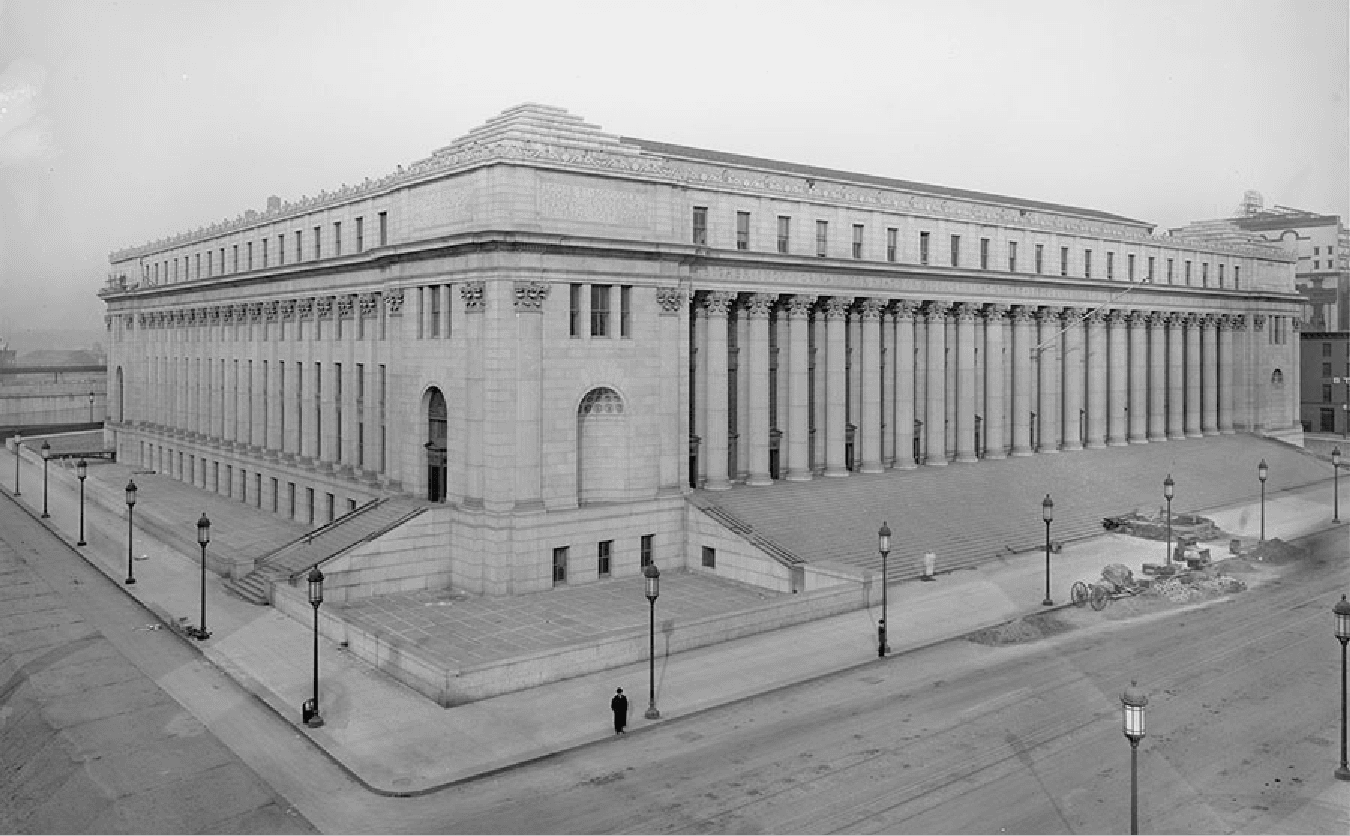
x=883 y=546
x=653 y=576
x=18 y=450
x=46 y=457
x=1342 y=611
x=1048 y=514
x=1132 y=704
x=311 y=711
x=1261 y=472
x=81 y=470
x=1336 y=483
x=131 y=504
x=200 y=632
x=1169 y=487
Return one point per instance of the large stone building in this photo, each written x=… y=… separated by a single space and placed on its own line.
x=555 y=335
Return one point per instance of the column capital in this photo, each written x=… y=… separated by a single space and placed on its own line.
x=1116 y=317
x=936 y=311
x=758 y=305
x=1137 y=319
x=393 y=301
x=1258 y=322
x=836 y=307
x=870 y=309
x=799 y=306
x=1157 y=319
x=717 y=302
x=967 y=311
x=1238 y=322
x=1023 y=313
x=1048 y=314
x=904 y=309
x=1096 y=317
x=996 y=313
x=1224 y=322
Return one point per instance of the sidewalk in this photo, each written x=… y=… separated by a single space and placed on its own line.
x=396 y=742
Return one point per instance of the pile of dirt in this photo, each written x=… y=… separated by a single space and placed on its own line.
x=1027 y=629
x=1277 y=551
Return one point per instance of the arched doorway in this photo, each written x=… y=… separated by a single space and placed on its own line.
x=601 y=446
x=435 y=446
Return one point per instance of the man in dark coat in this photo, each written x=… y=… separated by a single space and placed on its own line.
x=619 y=705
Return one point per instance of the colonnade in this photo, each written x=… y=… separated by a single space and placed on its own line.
x=802 y=386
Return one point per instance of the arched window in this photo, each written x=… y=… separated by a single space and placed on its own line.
x=1277 y=379
x=602 y=446
x=437 y=471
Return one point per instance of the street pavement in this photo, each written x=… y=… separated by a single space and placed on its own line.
x=396 y=742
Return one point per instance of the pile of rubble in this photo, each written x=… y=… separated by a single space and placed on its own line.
x=1177 y=582
x=1189 y=586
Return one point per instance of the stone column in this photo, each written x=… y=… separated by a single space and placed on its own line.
x=903 y=366
x=1138 y=335
x=716 y=406
x=836 y=385
x=1075 y=365
x=1225 y=324
x=1157 y=376
x=1118 y=366
x=1021 y=379
x=1256 y=338
x=756 y=433
x=1209 y=375
x=869 y=377
x=1242 y=416
x=1176 y=376
x=798 y=314
x=740 y=361
x=699 y=350
x=950 y=364
x=1096 y=380
x=819 y=365
x=673 y=331
x=1193 y=376
x=887 y=370
x=995 y=445
x=935 y=433
x=965 y=382
x=1047 y=415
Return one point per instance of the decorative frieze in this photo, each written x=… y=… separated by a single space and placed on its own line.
x=671 y=300
x=530 y=296
x=369 y=305
x=345 y=306
x=304 y=308
x=472 y=295
x=393 y=301
x=323 y=307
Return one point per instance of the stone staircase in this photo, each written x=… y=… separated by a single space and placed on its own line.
x=968 y=514
x=359 y=526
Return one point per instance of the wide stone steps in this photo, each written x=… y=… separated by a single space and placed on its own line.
x=968 y=514
x=358 y=526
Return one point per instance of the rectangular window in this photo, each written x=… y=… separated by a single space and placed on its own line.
x=1326 y=393
x=337 y=412
x=290 y=500
x=1326 y=349
x=229 y=481
x=1150 y=268
x=234 y=252
x=384 y=228
x=626 y=310
x=574 y=311
x=380 y=415
x=560 y=565
x=742 y=230
x=332 y=507
x=434 y=296
x=923 y=247
x=892 y=242
x=299 y=245
x=822 y=238
x=1221 y=266
x=604 y=555
x=281 y=249
x=709 y=557
x=360 y=234
x=1188 y=272
x=647 y=543
x=1129 y=267
x=1328 y=419
x=249 y=264
x=1237 y=277
x=600 y=310
x=309 y=506
x=215 y=476
x=956 y=250
x=1326 y=370
x=222 y=260
x=700 y=231
x=1204 y=274
x=337 y=237
x=318 y=242
x=1087 y=264
x=1316 y=251
x=984 y=253
x=1064 y=261
x=360 y=414
x=1110 y=264
x=264 y=252
x=1012 y=256
x=857 y=240
x=199 y=265
x=784 y=232
x=1040 y=258
x=1171 y=273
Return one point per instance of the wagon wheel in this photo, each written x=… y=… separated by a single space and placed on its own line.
x=1100 y=598
x=1079 y=593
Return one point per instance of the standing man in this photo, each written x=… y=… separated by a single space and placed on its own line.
x=619 y=705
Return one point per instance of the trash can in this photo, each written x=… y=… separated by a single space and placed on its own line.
x=929 y=566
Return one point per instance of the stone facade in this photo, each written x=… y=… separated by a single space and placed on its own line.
x=558 y=333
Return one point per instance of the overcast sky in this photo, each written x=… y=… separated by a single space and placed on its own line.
x=123 y=122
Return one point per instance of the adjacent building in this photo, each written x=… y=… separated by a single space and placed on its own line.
x=555 y=335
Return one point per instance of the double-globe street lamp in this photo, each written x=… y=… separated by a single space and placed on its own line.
x=1169 y=487
x=1048 y=514
x=1261 y=472
x=311 y=711
x=46 y=457
x=1342 y=611
x=200 y=632
x=1132 y=704
x=653 y=579
x=883 y=546
x=131 y=504
x=82 y=470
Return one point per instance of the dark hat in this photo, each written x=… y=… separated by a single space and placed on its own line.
x=620 y=690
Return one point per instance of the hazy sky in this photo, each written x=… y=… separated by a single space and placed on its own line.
x=122 y=122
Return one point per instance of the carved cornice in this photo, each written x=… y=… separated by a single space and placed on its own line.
x=472 y=293
x=530 y=296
